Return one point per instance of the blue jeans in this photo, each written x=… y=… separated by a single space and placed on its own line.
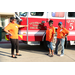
x=49 y=45
x=62 y=44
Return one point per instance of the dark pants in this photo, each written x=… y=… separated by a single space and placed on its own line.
x=62 y=44
x=14 y=43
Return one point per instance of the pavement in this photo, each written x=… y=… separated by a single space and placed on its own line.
x=34 y=53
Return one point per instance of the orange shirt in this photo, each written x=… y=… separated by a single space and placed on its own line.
x=61 y=32
x=49 y=33
x=13 y=29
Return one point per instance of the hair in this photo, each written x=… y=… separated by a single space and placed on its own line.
x=12 y=18
x=51 y=21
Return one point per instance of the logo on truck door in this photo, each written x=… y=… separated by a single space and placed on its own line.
x=71 y=23
x=35 y=25
x=71 y=26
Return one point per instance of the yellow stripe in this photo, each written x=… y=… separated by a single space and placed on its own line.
x=6 y=38
x=21 y=36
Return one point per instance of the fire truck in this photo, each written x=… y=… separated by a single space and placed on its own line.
x=38 y=22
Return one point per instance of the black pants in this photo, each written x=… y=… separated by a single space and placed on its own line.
x=14 y=43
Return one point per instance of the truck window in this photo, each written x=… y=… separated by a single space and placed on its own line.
x=23 y=13
x=58 y=14
x=71 y=14
x=37 y=13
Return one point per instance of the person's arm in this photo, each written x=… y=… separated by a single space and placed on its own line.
x=7 y=28
x=65 y=35
x=66 y=32
x=53 y=37
x=23 y=26
x=7 y=31
x=53 y=34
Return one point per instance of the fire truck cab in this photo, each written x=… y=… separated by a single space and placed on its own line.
x=38 y=22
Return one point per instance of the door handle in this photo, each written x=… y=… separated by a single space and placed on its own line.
x=43 y=21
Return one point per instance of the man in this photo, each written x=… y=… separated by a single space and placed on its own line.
x=50 y=37
x=61 y=34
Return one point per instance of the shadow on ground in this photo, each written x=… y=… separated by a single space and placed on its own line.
x=71 y=47
x=28 y=48
x=34 y=49
x=22 y=47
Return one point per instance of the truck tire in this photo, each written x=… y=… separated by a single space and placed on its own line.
x=67 y=43
x=45 y=43
x=41 y=43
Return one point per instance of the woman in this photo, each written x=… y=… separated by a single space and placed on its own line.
x=12 y=30
x=61 y=34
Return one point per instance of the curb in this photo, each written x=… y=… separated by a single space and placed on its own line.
x=3 y=42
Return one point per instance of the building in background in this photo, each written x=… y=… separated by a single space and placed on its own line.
x=4 y=18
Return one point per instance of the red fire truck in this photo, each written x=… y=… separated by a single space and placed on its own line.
x=38 y=22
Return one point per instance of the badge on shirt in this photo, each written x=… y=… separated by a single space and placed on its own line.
x=16 y=26
x=49 y=29
x=61 y=30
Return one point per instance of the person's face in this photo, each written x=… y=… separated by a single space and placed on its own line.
x=60 y=26
x=51 y=24
x=14 y=21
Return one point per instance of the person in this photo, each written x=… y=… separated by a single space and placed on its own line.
x=61 y=34
x=12 y=30
x=50 y=37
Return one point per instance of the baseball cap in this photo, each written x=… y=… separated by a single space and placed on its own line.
x=12 y=18
x=60 y=23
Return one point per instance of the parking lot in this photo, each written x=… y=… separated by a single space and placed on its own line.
x=34 y=53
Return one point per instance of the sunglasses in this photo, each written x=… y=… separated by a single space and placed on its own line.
x=52 y=23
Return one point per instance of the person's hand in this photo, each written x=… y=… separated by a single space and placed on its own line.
x=26 y=25
x=9 y=33
x=63 y=36
x=52 y=40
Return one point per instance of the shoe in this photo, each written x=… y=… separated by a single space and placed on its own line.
x=55 y=53
x=51 y=55
x=13 y=57
x=61 y=55
x=19 y=55
x=48 y=54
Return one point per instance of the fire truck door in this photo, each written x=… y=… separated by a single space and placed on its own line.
x=70 y=25
x=36 y=29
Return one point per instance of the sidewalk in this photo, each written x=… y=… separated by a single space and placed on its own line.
x=34 y=54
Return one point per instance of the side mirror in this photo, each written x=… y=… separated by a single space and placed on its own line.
x=18 y=17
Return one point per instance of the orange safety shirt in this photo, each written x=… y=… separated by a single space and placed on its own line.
x=61 y=32
x=13 y=29
x=49 y=33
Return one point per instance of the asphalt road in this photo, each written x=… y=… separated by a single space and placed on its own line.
x=34 y=53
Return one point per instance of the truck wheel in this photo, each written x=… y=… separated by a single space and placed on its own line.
x=66 y=43
x=41 y=43
x=45 y=44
